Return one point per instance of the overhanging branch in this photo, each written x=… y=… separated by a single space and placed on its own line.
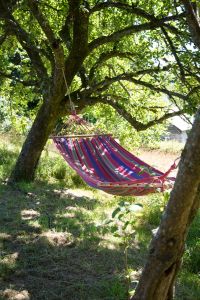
x=125 y=32
x=31 y=49
x=45 y=26
x=106 y=56
x=133 y=9
x=174 y=52
x=139 y=126
x=104 y=84
x=81 y=99
x=158 y=89
x=23 y=82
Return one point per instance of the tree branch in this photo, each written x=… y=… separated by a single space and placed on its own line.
x=13 y=27
x=126 y=31
x=173 y=49
x=133 y=9
x=122 y=85
x=139 y=126
x=79 y=46
x=195 y=89
x=42 y=22
x=83 y=76
x=80 y=100
x=53 y=41
x=24 y=82
x=65 y=32
x=51 y=7
x=31 y=49
x=104 y=84
x=107 y=55
x=158 y=89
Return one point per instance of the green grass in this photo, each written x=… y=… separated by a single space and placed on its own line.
x=55 y=242
x=170 y=146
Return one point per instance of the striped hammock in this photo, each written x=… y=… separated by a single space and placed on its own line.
x=104 y=164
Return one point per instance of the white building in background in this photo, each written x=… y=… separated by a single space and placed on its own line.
x=178 y=129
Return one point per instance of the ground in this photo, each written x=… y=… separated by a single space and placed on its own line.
x=159 y=159
x=59 y=239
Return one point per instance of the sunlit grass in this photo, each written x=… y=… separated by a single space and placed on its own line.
x=170 y=146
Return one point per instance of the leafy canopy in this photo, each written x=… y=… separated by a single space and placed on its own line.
x=135 y=57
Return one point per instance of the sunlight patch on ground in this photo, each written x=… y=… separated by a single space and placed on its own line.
x=79 y=193
x=110 y=242
x=10 y=258
x=29 y=214
x=11 y=294
x=69 y=215
x=72 y=209
x=59 y=238
x=4 y=236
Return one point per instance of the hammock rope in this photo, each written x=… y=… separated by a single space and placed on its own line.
x=72 y=106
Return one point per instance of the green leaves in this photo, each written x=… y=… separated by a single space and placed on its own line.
x=123 y=219
x=27 y=55
x=116 y=211
x=122 y=226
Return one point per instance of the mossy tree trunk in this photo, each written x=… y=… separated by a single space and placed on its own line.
x=56 y=86
x=167 y=247
x=31 y=151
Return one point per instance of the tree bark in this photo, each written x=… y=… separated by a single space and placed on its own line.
x=167 y=247
x=192 y=17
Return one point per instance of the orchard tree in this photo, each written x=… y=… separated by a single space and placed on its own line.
x=108 y=52
x=167 y=247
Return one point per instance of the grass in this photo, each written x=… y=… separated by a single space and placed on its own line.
x=170 y=146
x=55 y=242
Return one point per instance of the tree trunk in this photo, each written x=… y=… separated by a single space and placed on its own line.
x=42 y=127
x=167 y=247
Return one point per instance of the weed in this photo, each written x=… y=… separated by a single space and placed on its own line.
x=122 y=225
x=59 y=170
x=77 y=181
x=191 y=256
x=7 y=160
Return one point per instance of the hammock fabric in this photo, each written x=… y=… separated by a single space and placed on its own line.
x=104 y=164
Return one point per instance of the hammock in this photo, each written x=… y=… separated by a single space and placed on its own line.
x=104 y=164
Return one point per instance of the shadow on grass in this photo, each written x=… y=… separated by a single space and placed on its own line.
x=51 y=248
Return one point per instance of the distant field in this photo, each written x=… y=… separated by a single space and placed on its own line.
x=159 y=159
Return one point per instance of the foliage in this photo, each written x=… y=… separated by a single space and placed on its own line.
x=107 y=120
x=191 y=257
x=8 y=155
x=130 y=73
x=4 y=116
x=122 y=225
x=90 y=55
